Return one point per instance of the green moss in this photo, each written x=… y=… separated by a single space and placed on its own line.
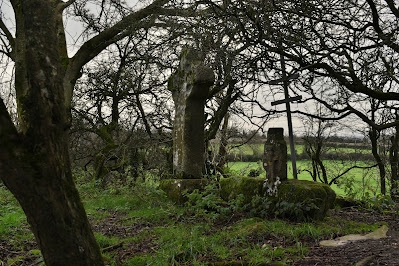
x=345 y=202
x=302 y=191
x=258 y=228
x=65 y=62
x=313 y=198
x=176 y=189
x=230 y=188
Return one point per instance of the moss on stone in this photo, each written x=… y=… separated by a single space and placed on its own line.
x=298 y=192
x=230 y=188
x=302 y=191
x=176 y=188
x=345 y=202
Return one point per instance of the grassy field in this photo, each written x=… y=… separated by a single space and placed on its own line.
x=361 y=182
x=249 y=149
x=140 y=226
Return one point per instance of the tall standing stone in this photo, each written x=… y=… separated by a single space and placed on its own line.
x=275 y=157
x=190 y=87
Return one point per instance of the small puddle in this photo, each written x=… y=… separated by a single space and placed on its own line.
x=343 y=240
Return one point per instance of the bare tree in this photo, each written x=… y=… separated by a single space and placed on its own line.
x=314 y=139
x=118 y=96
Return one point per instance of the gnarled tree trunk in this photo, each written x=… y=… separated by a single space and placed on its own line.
x=34 y=161
x=34 y=158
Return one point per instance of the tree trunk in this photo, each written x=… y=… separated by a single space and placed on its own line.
x=34 y=161
x=394 y=161
x=222 y=153
x=323 y=171
x=381 y=167
x=314 y=171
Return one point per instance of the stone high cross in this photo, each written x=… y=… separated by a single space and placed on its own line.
x=287 y=101
x=190 y=87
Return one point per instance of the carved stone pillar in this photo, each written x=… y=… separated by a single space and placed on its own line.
x=190 y=87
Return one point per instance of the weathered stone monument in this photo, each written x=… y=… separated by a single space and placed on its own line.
x=275 y=158
x=190 y=87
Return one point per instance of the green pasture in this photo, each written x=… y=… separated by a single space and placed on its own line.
x=249 y=149
x=357 y=183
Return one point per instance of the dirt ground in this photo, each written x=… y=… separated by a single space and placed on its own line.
x=368 y=252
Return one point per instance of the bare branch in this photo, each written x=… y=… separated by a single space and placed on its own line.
x=350 y=168
x=355 y=85
x=386 y=38
x=391 y=5
x=98 y=43
x=62 y=5
x=8 y=35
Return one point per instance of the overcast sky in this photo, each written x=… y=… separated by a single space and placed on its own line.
x=74 y=40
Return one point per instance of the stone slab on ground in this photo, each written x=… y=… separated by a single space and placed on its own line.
x=343 y=240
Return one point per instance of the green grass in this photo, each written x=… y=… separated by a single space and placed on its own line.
x=12 y=218
x=194 y=243
x=150 y=230
x=246 y=149
x=173 y=236
x=14 y=231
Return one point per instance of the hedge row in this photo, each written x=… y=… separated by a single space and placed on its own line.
x=326 y=156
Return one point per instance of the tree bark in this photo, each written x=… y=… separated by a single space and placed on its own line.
x=34 y=161
x=222 y=153
x=373 y=135
x=34 y=158
x=394 y=161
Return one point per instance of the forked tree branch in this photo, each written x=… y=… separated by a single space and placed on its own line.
x=62 y=5
x=98 y=43
x=394 y=9
x=350 y=168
